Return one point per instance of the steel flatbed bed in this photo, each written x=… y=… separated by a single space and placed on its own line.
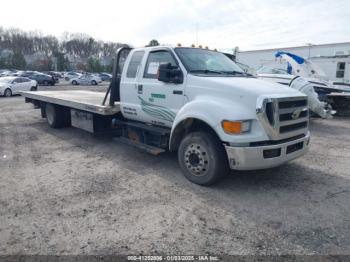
x=88 y=101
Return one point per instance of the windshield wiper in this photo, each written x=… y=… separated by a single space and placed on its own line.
x=237 y=73
x=234 y=72
x=206 y=71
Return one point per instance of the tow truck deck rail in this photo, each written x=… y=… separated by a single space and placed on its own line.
x=77 y=99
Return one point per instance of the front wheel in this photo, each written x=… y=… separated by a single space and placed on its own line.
x=33 y=88
x=8 y=92
x=202 y=158
x=74 y=82
x=93 y=82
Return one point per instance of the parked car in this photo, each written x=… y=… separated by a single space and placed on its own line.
x=69 y=75
x=105 y=76
x=29 y=73
x=10 y=72
x=43 y=79
x=4 y=72
x=87 y=79
x=54 y=75
x=12 y=85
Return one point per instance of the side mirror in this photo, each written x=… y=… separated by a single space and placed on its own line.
x=170 y=74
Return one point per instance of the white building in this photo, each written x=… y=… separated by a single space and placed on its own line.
x=334 y=59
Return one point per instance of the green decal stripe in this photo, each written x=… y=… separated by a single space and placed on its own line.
x=157 y=111
x=163 y=113
x=157 y=115
x=164 y=109
x=158 y=95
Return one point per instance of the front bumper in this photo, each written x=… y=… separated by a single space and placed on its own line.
x=261 y=157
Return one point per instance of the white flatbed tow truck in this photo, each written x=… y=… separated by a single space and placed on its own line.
x=190 y=100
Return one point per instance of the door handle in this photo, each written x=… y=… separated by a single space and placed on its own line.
x=177 y=92
x=139 y=89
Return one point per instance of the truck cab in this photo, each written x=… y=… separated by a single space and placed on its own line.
x=201 y=94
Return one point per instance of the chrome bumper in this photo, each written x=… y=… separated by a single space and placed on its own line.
x=261 y=157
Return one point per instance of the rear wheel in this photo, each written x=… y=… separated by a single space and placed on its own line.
x=8 y=92
x=33 y=88
x=202 y=158
x=93 y=82
x=57 y=116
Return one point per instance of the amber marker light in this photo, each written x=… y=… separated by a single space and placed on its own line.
x=235 y=127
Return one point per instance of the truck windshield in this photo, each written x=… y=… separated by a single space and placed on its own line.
x=208 y=62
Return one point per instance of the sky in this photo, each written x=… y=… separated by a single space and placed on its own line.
x=221 y=24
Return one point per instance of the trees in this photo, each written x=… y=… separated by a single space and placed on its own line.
x=18 y=61
x=61 y=53
x=153 y=42
x=62 y=63
x=94 y=65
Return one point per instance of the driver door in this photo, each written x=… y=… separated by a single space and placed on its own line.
x=159 y=102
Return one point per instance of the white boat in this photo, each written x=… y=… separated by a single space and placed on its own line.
x=293 y=66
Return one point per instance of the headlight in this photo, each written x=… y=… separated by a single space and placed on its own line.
x=236 y=127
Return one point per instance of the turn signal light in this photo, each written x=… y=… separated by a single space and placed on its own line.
x=235 y=127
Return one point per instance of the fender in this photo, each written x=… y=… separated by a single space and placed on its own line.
x=212 y=112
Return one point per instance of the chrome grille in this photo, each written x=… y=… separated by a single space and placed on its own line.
x=284 y=117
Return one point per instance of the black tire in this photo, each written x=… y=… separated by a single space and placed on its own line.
x=57 y=116
x=94 y=83
x=45 y=83
x=8 y=92
x=33 y=88
x=74 y=83
x=202 y=158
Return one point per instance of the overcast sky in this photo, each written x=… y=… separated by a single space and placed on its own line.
x=222 y=24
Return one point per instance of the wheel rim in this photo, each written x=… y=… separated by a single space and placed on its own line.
x=196 y=159
x=8 y=93
x=49 y=114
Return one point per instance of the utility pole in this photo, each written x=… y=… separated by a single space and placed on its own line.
x=309 y=44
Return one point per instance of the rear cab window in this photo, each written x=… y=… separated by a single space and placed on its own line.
x=134 y=64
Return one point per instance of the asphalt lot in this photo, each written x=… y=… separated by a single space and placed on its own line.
x=67 y=192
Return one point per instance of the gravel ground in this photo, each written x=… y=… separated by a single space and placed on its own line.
x=68 y=192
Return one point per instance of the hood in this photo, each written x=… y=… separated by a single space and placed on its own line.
x=243 y=86
x=280 y=76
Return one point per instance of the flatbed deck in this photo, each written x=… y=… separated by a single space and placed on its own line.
x=89 y=101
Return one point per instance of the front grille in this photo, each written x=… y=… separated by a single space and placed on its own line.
x=289 y=104
x=289 y=116
x=293 y=127
x=269 y=112
x=284 y=117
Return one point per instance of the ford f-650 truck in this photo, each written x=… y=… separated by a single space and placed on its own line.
x=191 y=100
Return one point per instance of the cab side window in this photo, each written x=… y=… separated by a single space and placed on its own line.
x=154 y=60
x=134 y=64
